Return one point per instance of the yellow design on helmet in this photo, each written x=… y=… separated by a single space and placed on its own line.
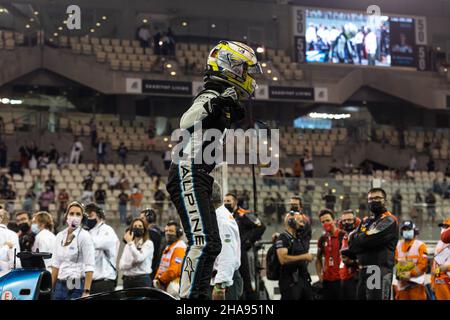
x=234 y=63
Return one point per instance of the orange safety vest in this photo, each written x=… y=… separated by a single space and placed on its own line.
x=167 y=263
x=411 y=255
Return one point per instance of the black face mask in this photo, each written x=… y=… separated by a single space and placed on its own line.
x=171 y=238
x=24 y=227
x=295 y=208
x=91 y=223
x=138 y=232
x=377 y=207
x=229 y=207
x=348 y=226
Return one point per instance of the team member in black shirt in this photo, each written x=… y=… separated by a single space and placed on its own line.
x=292 y=252
x=373 y=243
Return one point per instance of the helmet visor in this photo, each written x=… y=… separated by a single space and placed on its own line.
x=255 y=69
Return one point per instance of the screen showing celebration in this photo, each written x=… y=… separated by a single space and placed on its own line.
x=357 y=38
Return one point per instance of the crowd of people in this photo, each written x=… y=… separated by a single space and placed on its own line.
x=349 y=43
x=351 y=249
x=86 y=248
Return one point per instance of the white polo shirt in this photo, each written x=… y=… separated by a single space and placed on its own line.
x=75 y=259
x=135 y=261
x=45 y=241
x=106 y=244
x=7 y=254
x=229 y=259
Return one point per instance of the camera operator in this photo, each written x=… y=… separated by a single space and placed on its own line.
x=374 y=243
x=26 y=237
x=250 y=230
x=292 y=252
x=348 y=268
x=297 y=206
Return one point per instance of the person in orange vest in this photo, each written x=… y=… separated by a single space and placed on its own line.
x=172 y=259
x=440 y=271
x=412 y=262
x=348 y=269
x=445 y=234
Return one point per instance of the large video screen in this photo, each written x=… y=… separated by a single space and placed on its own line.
x=402 y=39
x=358 y=38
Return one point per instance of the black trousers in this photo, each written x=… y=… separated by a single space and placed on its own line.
x=373 y=286
x=102 y=285
x=244 y=270
x=138 y=281
x=348 y=289
x=235 y=291
x=300 y=290
x=331 y=290
x=190 y=188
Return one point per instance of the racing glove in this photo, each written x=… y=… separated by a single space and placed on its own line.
x=223 y=110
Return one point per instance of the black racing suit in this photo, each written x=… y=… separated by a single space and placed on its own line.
x=373 y=243
x=190 y=186
x=251 y=230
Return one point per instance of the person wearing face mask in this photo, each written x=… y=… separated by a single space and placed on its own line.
x=226 y=281
x=106 y=244
x=412 y=263
x=251 y=230
x=172 y=258
x=26 y=237
x=45 y=239
x=328 y=256
x=156 y=235
x=136 y=260
x=73 y=262
x=295 y=280
x=440 y=270
x=348 y=269
x=374 y=243
x=297 y=206
x=9 y=242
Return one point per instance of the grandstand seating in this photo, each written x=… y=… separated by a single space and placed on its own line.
x=127 y=55
x=438 y=140
x=71 y=177
x=239 y=179
x=10 y=39
x=320 y=142
x=133 y=134
x=120 y=54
